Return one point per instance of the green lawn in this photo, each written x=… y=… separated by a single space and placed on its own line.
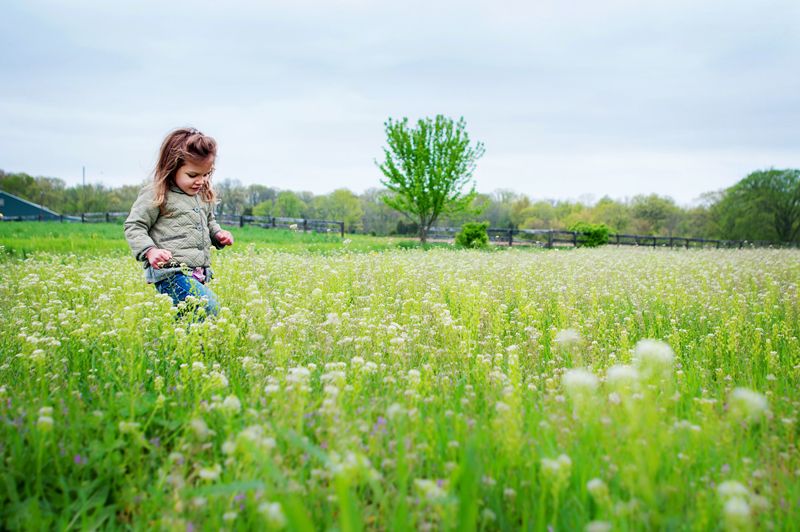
x=21 y=239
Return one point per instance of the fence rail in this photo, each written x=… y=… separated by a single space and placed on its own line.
x=267 y=222
x=547 y=238
x=276 y=222
x=550 y=238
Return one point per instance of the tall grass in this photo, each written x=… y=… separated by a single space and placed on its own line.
x=405 y=390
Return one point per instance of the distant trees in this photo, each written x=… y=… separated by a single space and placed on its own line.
x=427 y=169
x=378 y=218
x=45 y=191
x=655 y=215
x=289 y=205
x=765 y=205
x=343 y=205
x=232 y=196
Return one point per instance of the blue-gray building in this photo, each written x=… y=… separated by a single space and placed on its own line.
x=15 y=208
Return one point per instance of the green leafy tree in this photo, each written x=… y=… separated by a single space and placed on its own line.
x=343 y=205
x=263 y=208
x=655 y=215
x=765 y=205
x=427 y=168
x=614 y=214
x=289 y=205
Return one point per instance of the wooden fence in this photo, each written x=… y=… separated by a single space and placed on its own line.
x=547 y=238
x=267 y=222
x=550 y=238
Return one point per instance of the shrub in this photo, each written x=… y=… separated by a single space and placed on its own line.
x=473 y=235
x=590 y=235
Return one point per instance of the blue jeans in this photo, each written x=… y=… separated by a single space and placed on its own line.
x=180 y=286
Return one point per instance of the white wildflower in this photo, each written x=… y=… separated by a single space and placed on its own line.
x=597 y=489
x=622 y=377
x=210 y=473
x=128 y=427
x=579 y=383
x=229 y=447
x=597 y=526
x=217 y=380
x=231 y=405
x=747 y=405
x=732 y=488
x=200 y=428
x=273 y=513
x=557 y=470
x=429 y=489
x=567 y=338
x=737 y=514
x=44 y=423
x=394 y=410
x=653 y=357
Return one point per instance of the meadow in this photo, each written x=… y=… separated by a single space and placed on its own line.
x=359 y=385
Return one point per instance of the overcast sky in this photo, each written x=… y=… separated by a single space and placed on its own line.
x=570 y=98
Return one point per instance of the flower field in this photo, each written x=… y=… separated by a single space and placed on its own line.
x=606 y=389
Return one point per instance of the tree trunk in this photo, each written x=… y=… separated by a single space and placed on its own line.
x=423 y=231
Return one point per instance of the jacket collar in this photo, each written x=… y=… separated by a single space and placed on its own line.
x=174 y=188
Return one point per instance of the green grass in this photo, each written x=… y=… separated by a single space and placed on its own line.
x=404 y=390
x=22 y=239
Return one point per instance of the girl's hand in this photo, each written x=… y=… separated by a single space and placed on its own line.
x=157 y=257
x=224 y=237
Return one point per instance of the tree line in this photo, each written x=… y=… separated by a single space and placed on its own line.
x=764 y=205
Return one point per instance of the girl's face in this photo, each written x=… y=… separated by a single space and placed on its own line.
x=192 y=177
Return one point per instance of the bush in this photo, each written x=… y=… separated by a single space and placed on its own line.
x=590 y=235
x=473 y=235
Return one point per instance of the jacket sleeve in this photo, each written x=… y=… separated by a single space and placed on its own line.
x=213 y=227
x=143 y=215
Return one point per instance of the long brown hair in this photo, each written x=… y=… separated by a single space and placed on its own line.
x=182 y=145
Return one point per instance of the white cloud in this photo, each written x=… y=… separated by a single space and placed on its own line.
x=612 y=97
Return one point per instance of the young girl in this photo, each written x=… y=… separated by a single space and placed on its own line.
x=171 y=225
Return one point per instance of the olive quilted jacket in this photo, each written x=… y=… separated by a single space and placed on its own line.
x=187 y=230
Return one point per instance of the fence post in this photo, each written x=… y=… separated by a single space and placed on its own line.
x=108 y=217
x=574 y=239
x=341 y=228
x=241 y=220
x=305 y=225
x=510 y=237
x=83 y=217
x=550 y=239
x=273 y=222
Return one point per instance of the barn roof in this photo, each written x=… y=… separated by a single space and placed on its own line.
x=45 y=209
